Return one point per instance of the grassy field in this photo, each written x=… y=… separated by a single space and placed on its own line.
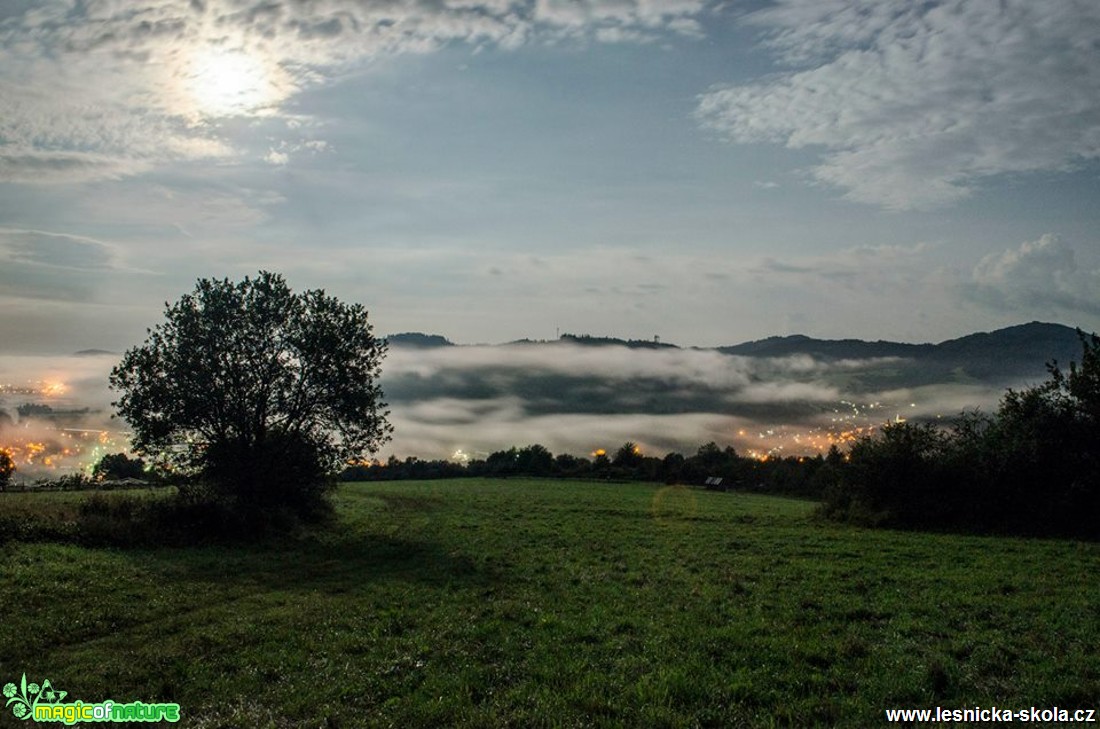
x=527 y=603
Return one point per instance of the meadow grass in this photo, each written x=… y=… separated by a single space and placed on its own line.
x=546 y=603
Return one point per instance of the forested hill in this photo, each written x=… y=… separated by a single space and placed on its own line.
x=416 y=339
x=799 y=344
x=1023 y=341
x=1002 y=355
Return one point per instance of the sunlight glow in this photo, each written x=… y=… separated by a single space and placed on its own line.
x=229 y=83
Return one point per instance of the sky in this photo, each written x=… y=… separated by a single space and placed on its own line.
x=704 y=171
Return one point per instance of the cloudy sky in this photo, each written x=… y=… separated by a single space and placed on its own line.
x=705 y=171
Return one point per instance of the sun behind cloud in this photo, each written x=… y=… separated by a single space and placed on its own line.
x=219 y=82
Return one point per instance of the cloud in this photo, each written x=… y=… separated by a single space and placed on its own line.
x=43 y=167
x=578 y=434
x=615 y=21
x=1040 y=275
x=104 y=90
x=917 y=292
x=62 y=292
x=912 y=105
x=611 y=364
x=867 y=267
x=53 y=249
x=40 y=265
x=574 y=398
x=187 y=202
x=944 y=400
x=277 y=158
x=49 y=314
x=873 y=290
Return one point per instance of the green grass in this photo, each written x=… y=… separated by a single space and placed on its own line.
x=527 y=603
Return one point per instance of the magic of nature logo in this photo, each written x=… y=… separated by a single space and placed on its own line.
x=45 y=703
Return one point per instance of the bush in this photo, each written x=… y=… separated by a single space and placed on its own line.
x=892 y=478
x=1033 y=468
x=118 y=466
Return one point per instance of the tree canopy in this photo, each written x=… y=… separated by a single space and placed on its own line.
x=1033 y=467
x=7 y=468
x=118 y=466
x=258 y=391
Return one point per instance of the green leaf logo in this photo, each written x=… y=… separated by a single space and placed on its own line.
x=23 y=698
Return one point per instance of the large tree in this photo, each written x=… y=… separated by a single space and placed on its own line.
x=257 y=390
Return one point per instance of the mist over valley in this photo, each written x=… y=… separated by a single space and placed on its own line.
x=791 y=395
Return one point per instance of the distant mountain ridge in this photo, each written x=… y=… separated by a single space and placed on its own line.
x=1009 y=355
x=1026 y=341
x=587 y=340
x=1054 y=341
x=1015 y=352
x=800 y=344
x=417 y=339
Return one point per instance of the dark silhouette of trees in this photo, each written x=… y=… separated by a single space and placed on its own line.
x=118 y=465
x=535 y=460
x=394 y=469
x=32 y=409
x=1043 y=450
x=792 y=476
x=628 y=456
x=601 y=465
x=1032 y=468
x=7 y=468
x=889 y=476
x=712 y=461
x=258 y=392
x=570 y=466
x=502 y=463
x=532 y=460
x=672 y=467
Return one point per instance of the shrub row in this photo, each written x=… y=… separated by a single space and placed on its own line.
x=1031 y=468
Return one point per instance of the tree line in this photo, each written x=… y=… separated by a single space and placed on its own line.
x=1033 y=467
x=793 y=476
